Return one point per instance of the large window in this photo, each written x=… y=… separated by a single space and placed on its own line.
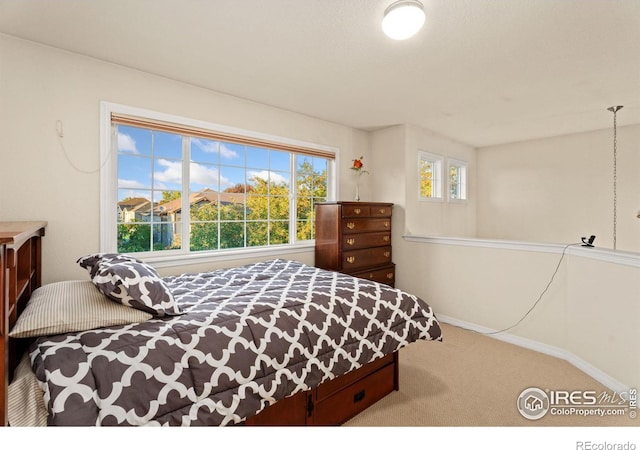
x=180 y=188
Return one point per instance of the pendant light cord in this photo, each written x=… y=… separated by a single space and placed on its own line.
x=614 y=110
x=615 y=180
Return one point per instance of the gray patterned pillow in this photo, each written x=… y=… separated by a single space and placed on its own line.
x=135 y=284
x=91 y=262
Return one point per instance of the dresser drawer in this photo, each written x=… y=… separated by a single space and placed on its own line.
x=356 y=241
x=355 y=225
x=355 y=398
x=380 y=211
x=385 y=275
x=356 y=211
x=366 y=210
x=368 y=257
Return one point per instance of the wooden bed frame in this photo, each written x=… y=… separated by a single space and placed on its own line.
x=332 y=403
x=20 y=275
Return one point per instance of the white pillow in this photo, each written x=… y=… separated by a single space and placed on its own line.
x=69 y=306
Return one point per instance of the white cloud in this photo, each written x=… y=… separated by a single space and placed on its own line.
x=171 y=174
x=129 y=184
x=226 y=152
x=205 y=175
x=268 y=175
x=127 y=144
x=134 y=194
x=204 y=145
x=200 y=175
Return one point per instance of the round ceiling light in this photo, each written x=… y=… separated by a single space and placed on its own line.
x=403 y=19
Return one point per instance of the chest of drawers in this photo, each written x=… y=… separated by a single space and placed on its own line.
x=355 y=238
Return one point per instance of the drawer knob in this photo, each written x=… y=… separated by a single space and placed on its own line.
x=351 y=259
x=387 y=254
x=382 y=210
x=390 y=275
x=357 y=210
x=385 y=238
x=351 y=225
x=351 y=241
x=386 y=224
x=359 y=396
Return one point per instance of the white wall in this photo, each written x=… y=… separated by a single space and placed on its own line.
x=395 y=174
x=529 y=191
x=40 y=85
x=588 y=315
x=389 y=179
x=395 y=157
x=602 y=316
x=559 y=189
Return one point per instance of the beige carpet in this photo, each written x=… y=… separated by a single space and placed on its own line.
x=474 y=380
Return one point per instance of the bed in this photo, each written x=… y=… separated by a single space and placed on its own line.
x=271 y=343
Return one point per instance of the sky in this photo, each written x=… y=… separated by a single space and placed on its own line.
x=151 y=161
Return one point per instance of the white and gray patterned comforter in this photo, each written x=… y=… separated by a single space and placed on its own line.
x=249 y=336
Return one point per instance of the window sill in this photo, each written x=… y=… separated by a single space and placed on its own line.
x=175 y=260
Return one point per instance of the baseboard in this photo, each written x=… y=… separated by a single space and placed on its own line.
x=550 y=350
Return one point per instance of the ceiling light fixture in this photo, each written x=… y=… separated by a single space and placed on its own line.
x=403 y=19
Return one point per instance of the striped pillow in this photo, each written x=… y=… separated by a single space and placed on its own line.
x=69 y=306
x=26 y=398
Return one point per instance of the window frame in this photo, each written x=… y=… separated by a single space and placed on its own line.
x=166 y=258
x=453 y=162
x=436 y=186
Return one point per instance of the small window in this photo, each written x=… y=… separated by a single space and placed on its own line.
x=430 y=172
x=457 y=180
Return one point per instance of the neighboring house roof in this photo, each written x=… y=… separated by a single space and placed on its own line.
x=136 y=205
x=206 y=195
x=133 y=202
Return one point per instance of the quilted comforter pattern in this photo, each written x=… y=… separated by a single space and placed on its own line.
x=248 y=337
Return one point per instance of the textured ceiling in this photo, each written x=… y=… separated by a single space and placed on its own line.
x=481 y=72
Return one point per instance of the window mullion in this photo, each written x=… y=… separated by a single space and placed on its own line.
x=293 y=195
x=152 y=216
x=186 y=195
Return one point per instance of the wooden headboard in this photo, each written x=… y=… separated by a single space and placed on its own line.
x=20 y=275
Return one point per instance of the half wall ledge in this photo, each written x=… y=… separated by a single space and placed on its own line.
x=601 y=254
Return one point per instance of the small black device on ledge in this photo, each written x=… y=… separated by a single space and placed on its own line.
x=588 y=243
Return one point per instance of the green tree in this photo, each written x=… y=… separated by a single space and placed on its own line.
x=168 y=196
x=426 y=179
x=311 y=187
x=208 y=221
x=267 y=212
x=264 y=217
x=134 y=238
x=204 y=226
